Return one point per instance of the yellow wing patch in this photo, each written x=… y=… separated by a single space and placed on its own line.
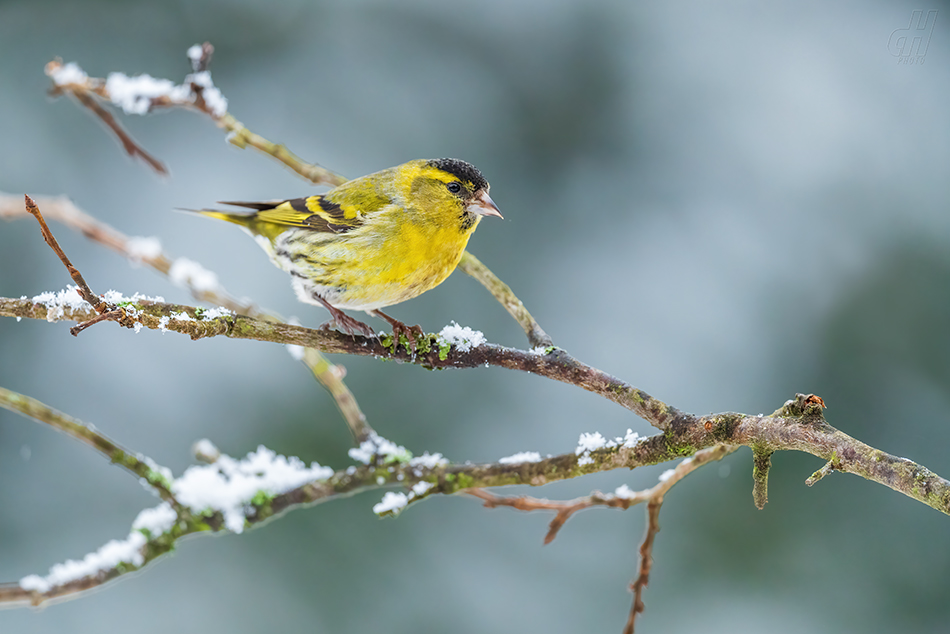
x=284 y=214
x=314 y=212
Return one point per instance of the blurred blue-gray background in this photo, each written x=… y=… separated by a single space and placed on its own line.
x=721 y=205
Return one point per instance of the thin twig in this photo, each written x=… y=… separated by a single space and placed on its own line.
x=331 y=375
x=564 y=510
x=646 y=562
x=32 y=408
x=84 y=291
x=106 y=311
x=91 y=89
x=84 y=92
x=63 y=210
x=130 y=145
x=506 y=297
x=827 y=468
x=204 y=60
x=239 y=136
x=653 y=496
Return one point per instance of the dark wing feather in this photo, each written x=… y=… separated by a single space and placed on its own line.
x=314 y=212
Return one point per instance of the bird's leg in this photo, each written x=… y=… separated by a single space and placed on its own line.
x=343 y=321
x=400 y=328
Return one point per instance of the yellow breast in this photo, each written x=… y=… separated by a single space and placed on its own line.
x=391 y=261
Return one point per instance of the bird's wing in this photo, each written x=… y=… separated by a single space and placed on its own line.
x=339 y=211
x=314 y=212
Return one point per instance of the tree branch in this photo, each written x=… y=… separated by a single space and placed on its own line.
x=432 y=352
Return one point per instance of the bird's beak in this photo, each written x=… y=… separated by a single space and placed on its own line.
x=483 y=205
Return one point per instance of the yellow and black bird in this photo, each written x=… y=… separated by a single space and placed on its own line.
x=373 y=241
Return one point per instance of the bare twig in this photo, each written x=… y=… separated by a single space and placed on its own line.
x=537 y=338
x=63 y=210
x=564 y=510
x=203 y=60
x=84 y=291
x=240 y=136
x=147 y=470
x=83 y=90
x=646 y=562
x=130 y=145
x=106 y=311
x=331 y=375
x=653 y=497
x=827 y=468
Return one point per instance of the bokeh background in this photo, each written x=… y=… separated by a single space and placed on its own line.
x=723 y=205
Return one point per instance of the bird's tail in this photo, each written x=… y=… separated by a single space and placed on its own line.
x=241 y=218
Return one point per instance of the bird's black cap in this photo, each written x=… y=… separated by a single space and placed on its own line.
x=465 y=171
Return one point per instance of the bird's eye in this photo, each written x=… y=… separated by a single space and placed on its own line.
x=455 y=187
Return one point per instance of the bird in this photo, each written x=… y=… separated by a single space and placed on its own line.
x=373 y=241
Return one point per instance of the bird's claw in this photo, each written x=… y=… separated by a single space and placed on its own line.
x=345 y=323
x=400 y=329
x=411 y=332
